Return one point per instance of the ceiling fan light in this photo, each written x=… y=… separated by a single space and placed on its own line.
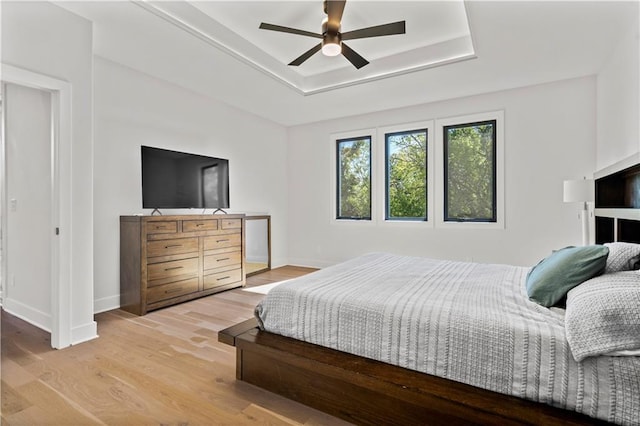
x=331 y=49
x=331 y=44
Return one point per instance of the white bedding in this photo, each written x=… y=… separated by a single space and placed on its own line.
x=467 y=322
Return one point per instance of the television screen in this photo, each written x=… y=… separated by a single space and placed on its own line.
x=174 y=180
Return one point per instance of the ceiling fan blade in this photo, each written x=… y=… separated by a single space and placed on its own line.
x=306 y=55
x=334 y=12
x=357 y=60
x=282 y=29
x=377 y=31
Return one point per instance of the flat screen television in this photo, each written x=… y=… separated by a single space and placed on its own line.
x=176 y=180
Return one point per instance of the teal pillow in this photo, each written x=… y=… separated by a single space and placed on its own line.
x=549 y=281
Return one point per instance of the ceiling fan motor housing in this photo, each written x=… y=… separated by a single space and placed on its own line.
x=331 y=35
x=330 y=28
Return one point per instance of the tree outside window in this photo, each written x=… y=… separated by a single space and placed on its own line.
x=406 y=175
x=354 y=178
x=470 y=172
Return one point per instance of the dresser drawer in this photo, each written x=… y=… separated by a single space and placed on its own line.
x=175 y=268
x=222 y=241
x=175 y=289
x=162 y=227
x=199 y=225
x=222 y=278
x=169 y=247
x=222 y=259
x=231 y=223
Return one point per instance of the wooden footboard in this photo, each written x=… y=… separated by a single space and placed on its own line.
x=364 y=391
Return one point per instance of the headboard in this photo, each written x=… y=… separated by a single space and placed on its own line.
x=617 y=202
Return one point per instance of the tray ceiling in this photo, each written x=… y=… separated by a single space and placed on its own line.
x=437 y=33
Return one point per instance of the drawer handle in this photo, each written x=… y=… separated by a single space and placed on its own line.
x=222 y=241
x=173 y=268
x=199 y=224
x=173 y=245
x=173 y=290
x=222 y=260
x=223 y=278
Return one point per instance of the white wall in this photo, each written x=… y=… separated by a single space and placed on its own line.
x=27 y=113
x=618 y=102
x=47 y=39
x=549 y=137
x=134 y=109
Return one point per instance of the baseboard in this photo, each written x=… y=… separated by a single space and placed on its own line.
x=84 y=333
x=42 y=320
x=37 y=318
x=309 y=263
x=106 y=304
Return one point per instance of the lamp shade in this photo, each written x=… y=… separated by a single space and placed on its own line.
x=581 y=190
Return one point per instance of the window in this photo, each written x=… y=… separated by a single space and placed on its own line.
x=470 y=172
x=406 y=175
x=441 y=173
x=353 y=180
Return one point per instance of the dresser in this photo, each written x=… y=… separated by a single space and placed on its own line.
x=166 y=260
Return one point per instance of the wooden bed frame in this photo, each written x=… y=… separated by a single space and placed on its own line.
x=365 y=391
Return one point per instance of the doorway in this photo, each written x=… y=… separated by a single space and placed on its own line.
x=28 y=125
x=35 y=207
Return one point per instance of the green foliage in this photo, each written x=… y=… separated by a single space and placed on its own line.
x=470 y=172
x=354 y=178
x=407 y=175
x=470 y=164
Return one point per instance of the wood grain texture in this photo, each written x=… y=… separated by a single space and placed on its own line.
x=370 y=392
x=131 y=298
x=177 y=246
x=365 y=391
x=169 y=254
x=163 y=368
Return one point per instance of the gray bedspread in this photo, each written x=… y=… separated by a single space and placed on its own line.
x=468 y=322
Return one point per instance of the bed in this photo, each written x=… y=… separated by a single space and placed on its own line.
x=386 y=339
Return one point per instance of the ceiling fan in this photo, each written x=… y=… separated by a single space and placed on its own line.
x=332 y=39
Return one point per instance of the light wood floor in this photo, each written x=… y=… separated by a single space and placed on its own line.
x=165 y=368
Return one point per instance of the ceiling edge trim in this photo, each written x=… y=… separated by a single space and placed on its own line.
x=179 y=23
x=390 y=74
x=469 y=26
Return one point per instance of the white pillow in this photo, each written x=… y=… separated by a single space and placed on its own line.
x=622 y=257
x=603 y=315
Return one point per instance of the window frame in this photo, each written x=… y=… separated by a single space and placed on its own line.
x=335 y=194
x=441 y=153
x=445 y=165
x=381 y=179
x=387 y=176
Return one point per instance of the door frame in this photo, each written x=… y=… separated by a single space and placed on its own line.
x=60 y=198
